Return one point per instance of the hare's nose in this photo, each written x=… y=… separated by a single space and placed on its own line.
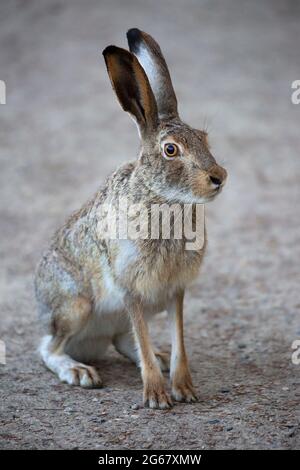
x=216 y=181
x=217 y=176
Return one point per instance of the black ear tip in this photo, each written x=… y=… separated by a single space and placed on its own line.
x=134 y=36
x=109 y=50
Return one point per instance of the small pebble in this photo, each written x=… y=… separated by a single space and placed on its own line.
x=292 y=433
x=213 y=421
x=69 y=410
x=135 y=406
x=245 y=358
x=98 y=420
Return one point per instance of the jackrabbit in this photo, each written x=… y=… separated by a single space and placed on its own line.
x=91 y=290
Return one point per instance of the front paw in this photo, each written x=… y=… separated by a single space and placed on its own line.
x=183 y=389
x=155 y=396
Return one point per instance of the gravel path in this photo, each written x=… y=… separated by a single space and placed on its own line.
x=62 y=132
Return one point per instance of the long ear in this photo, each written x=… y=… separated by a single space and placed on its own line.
x=150 y=57
x=132 y=87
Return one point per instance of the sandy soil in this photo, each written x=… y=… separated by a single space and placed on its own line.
x=62 y=132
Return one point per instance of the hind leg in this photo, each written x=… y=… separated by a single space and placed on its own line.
x=72 y=316
x=125 y=345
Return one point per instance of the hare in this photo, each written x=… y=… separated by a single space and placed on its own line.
x=93 y=291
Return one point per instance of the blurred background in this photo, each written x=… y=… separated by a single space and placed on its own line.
x=62 y=131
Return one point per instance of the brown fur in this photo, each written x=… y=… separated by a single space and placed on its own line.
x=182 y=385
x=154 y=392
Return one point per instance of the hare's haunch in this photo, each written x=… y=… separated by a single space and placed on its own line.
x=94 y=290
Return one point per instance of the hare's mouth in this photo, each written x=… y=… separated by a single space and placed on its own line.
x=187 y=196
x=214 y=194
x=218 y=190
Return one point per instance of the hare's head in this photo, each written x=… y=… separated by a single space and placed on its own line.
x=176 y=158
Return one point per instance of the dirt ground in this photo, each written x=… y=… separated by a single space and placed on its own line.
x=62 y=131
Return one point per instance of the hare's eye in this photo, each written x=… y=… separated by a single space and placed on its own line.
x=171 y=150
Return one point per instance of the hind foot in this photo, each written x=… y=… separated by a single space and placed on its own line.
x=81 y=374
